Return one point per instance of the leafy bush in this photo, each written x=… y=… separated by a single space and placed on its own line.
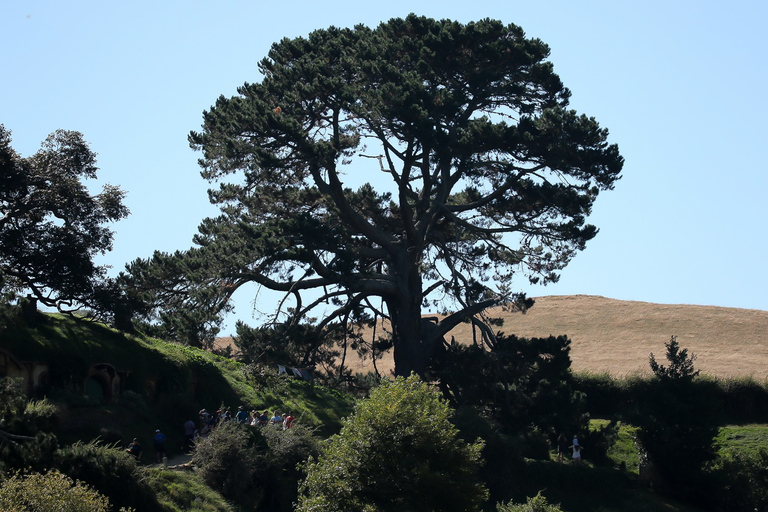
x=279 y=474
x=179 y=491
x=744 y=400
x=12 y=401
x=741 y=481
x=397 y=452
x=228 y=459
x=536 y=504
x=49 y=492
x=521 y=382
x=22 y=444
x=110 y=471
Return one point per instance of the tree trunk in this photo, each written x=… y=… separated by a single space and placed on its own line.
x=413 y=344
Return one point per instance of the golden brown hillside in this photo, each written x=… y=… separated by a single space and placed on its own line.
x=617 y=336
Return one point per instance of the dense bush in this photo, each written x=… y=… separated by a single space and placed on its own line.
x=520 y=382
x=179 y=491
x=397 y=452
x=742 y=400
x=536 y=504
x=228 y=459
x=278 y=473
x=740 y=482
x=49 y=492
x=22 y=443
x=110 y=471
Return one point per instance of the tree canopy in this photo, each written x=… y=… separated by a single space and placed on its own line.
x=51 y=226
x=378 y=171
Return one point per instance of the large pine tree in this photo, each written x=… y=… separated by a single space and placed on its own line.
x=468 y=163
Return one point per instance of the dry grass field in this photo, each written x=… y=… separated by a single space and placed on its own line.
x=617 y=336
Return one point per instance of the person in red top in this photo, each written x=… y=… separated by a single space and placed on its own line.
x=288 y=421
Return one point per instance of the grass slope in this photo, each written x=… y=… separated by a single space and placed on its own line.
x=183 y=380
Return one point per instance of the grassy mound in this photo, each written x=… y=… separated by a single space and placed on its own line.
x=163 y=384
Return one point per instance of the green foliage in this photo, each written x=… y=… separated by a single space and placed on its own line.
x=49 y=492
x=624 y=452
x=582 y=488
x=521 y=382
x=12 y=401
x=279 y=472
x=741 y=400
x=740 y=481
x=52 y=227
x=40 y=413
x=678 y=421
x=228 y=459
x=179 y=491
x=744 y=400
x=22 y=443
x=536 y=504
x=680 y=367
x=288 y=344
x=472 y=127
x=110 y=471
x=397 y=452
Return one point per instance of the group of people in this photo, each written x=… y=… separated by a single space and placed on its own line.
x=208 y=422
x=563 y=446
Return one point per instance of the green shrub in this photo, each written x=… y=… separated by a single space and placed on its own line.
x=136 y=403
x=740 y=481
x=22 y=444
x=744 y=400
x=279 y=475
x=49 y=492
x=536 y=504
x=179 y=491
x=12 y=401
x=40 y=414
x=228 y=459
x=110 y=471
x=397 y=452
x=502 y=451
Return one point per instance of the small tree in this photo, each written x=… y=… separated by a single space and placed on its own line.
x=397 y=452
x=678 y=421
x=680 y=367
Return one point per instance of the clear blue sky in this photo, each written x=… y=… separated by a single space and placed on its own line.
x=680 y=85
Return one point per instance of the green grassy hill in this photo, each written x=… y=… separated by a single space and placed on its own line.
x=158 y=384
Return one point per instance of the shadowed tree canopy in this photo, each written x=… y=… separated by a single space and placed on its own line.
x=51 y=226
x=420 y=162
